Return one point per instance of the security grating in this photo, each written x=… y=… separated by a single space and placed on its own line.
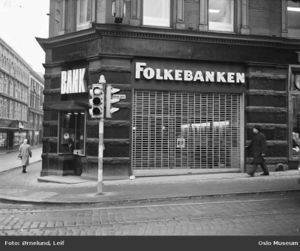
x=185 y=130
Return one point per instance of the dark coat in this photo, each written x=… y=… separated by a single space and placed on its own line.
x=258 y=147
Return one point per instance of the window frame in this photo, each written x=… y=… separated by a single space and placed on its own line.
x=59 y=129
x=89 y=8
x=234 y=18
x=61 y=20
x=293 y=33
x=292 y=92
x=171 y=5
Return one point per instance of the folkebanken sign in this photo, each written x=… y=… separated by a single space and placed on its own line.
x=149 y=73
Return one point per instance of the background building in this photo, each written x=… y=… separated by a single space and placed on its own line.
x=197 y=76
x=15 y=77
x=35 y=108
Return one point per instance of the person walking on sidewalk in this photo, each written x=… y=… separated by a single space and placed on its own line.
x=258 y=147
x=25 y=153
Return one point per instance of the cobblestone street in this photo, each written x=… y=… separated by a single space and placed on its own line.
x=277 y=214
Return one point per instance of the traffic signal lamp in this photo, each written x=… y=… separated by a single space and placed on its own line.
x=111 y=99
x=96 y=101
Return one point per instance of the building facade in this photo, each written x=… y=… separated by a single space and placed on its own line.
x=15 y=76
x=35 y=108
x=195 y=77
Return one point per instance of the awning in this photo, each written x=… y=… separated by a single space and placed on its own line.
x=69 y=105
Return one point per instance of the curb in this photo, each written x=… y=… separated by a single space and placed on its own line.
x=16 y=167
x=131 y=201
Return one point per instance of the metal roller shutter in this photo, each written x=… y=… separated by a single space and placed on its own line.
x=185 y=130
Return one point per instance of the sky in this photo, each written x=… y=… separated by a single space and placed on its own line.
x=20 y=22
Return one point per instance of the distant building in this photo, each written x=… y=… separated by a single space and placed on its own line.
x=195 y=76
x=35 y=108
x=17 y=111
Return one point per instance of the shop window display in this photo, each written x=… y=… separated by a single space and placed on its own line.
x=295 y=116
x=19 y=138
x=3 y=139
x=296 y=127
x=72 y=130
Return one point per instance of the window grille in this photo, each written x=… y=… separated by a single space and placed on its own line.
x=185 y=130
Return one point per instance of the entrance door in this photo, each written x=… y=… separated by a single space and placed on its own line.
x=177 y=130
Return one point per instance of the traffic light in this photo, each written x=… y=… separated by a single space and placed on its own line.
x=111 y=99
x=96 y=101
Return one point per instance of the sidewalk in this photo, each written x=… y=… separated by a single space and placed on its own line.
x=16 y=186
x=10 y=160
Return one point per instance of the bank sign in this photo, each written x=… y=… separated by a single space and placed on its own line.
x=72 y=81
x=142 y=71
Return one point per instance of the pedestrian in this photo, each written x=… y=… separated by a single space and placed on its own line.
x=258 y=148
x=25 y=153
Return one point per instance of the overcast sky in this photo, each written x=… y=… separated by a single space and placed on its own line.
x=20 y=22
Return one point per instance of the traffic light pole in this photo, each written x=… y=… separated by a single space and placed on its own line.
x=100 y=156
x=101 y=93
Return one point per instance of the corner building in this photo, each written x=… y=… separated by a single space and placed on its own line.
x=195 y=76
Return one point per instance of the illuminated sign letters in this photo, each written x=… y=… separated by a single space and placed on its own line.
x=72 y=81
x=146 y=72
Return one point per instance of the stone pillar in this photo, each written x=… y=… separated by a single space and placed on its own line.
x=284 y=23
x=135 y=18
x=203 y=22
x=100 y=11
x=244 y=17
x=180 y=14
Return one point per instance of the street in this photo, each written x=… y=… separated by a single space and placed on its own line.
x=265 y=214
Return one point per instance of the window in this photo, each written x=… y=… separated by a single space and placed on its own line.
x=19 y=138
x=294 y=114
x=293 y=18
x=1 y=107
x=84 y=11
x=1 y=82
x=11 y=109
x=59 y=15
x=3 y=139
x=72 y=132
x=156 y=13
x=221 y=15
x=5 y=108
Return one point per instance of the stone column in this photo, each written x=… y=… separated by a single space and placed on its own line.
x=203 y=21
x=284 y=22
x=244 y=17
x=135 y=18
x=180 y=14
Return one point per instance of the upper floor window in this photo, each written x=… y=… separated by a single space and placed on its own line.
x=84 y=11
x=293 y=17
x=156 y=13
x=60 y=15
x=221 y=15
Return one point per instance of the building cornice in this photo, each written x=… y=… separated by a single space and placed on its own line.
x=113 y=30
x=67 y=39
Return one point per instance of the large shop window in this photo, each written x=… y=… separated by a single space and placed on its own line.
x=72 y=133
x=179 y=130
x=293 y=18
x=295 y=116
x=156 y=13
x=19 y=138
x=3 y=139
x=221 y=15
